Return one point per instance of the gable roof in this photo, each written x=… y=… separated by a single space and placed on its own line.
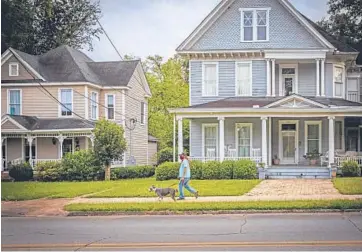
x=34 y=123
x=323 y=37
x=66 y=64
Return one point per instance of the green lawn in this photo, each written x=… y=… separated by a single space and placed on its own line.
x=348 y=185
x=119 y=188
x=204 y=206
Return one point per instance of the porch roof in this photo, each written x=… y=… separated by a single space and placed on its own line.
x=34 y=123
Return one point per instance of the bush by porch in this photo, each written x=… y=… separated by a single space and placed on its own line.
x=118 y=188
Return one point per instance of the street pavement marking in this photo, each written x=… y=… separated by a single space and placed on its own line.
x=189 y=245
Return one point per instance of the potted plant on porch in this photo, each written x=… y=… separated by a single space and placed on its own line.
x=276 y=160
x=313 y=157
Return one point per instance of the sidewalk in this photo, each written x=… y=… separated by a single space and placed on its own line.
x=219 y=199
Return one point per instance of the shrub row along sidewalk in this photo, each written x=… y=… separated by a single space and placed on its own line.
x=216 y=206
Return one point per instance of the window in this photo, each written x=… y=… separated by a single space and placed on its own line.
x=66 y=98
x=243 y=79
x=67 y=146
x=313 y=134
x=110 y=100
x=254 y=25
x=13 y=69
x=143 y=113
x=14 y=99
x=338 y=135
x=210 y=133
x=210 y=79
x=94 y=105
x=338 y=81
x=244 y=139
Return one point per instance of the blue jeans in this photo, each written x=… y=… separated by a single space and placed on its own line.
x=182 y=184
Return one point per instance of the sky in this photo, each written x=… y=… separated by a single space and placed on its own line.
x=149 y=27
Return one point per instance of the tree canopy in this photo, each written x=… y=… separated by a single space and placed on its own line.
x=344 y=21
x=38 y=26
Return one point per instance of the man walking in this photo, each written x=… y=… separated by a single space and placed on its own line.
x=184 y=176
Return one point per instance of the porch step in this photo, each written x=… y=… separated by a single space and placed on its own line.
x=298 y=172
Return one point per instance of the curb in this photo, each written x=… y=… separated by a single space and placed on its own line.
x=187 y=213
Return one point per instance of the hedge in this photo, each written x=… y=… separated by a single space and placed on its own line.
x=132 y=172
x=350 y=169
x=242 y=169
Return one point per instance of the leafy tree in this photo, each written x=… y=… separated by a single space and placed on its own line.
x=109 y=143
x=37 y=26
x=344 y=21
x=169 y=87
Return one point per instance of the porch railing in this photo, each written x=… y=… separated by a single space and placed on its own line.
x=339 y=160
x=256 y=159
x=353 y=96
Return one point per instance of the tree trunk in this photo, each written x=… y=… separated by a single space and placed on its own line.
x=107 y=175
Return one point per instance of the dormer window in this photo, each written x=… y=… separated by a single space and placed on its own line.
x=13 y=69
x=254 y=25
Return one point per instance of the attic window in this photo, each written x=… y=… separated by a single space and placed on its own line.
x=254 y=25
x=13 y=69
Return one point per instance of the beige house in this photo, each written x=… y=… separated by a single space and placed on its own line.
x=50 y=103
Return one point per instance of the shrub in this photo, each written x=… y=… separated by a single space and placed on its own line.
x=165 y=155
x=21 y=172
x=227 y=169
x=132 y=172
x=211 y=170
x=245 y=169
x=167 y=170
x=350 y=169
x=49 y=171
x=196 y=169
x=81 y=166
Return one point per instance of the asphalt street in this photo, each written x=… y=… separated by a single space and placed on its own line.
x=220 y=232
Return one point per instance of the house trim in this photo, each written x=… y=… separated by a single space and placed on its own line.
x=8 y=118
x=86 y=103
x=204 y=125
x=106 y=106
x=60 y=100
x=8 y=100
x=280 y=147
x=306 y=124
x=294 y=96
x=203 y=78
x=255 y=24
x=251 y=77
x=343 y=80
x=32 y=84
x=17 y=69
x=250 y=125
x=296 y=77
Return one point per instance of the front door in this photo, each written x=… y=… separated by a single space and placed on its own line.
x=288 y=80
x=288 y=142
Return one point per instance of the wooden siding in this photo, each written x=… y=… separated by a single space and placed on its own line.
x=14 y=148
x=138 y=140
x=9 y=125
x=46 y=149
x=36 y=102
x=152 y=153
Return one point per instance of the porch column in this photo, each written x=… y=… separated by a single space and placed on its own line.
x=264 y=142
x=317 y=76
x=323 y=84
x=30 y=141
x=273 y=77
x=268 y=80
x=61 y=139
x=270 y=142
x=180 y=136
x=221 y=138
x=331 y=141
x=1 y=153
x=174 y=139
x=91 y=137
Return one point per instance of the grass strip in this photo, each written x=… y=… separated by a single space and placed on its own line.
x=348 y=185
x=214 y=206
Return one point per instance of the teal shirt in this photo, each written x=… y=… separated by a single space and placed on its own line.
x=185 y=165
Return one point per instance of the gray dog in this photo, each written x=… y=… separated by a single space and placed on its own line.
x=161 y=192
